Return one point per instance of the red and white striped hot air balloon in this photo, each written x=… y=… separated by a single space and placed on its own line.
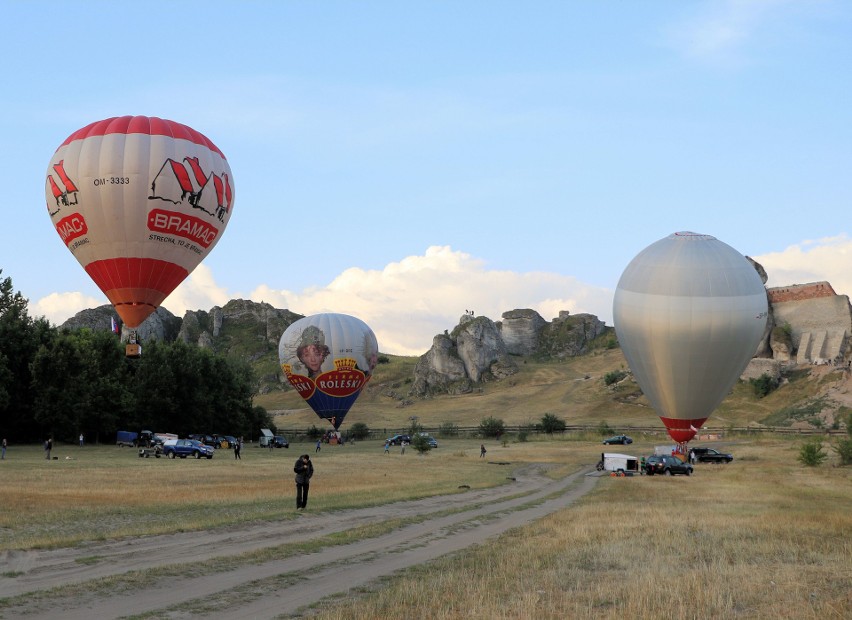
x=140 y=202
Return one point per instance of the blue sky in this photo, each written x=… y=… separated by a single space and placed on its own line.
x=407 y=161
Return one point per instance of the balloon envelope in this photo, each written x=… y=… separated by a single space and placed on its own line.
x=689 y=312
x=140 y=202
x=328 y=358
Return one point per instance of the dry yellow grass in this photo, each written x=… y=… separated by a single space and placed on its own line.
x=763 y=538
x=106 y=491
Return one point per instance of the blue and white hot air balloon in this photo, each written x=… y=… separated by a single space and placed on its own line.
x=328 y=358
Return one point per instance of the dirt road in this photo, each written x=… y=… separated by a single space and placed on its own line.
x=280 y=587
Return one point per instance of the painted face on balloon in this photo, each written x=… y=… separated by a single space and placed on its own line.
x=313 y=356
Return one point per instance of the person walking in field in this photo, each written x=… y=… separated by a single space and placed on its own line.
x=482 y=451
x=3 y=457
x=304 y=470
x=387 y=447
x=237 y=449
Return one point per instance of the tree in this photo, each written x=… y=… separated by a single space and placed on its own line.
x=812 y=453
x=420 y=442
x=492 y=427
x=20 y=339
x=359 y=430
x=551 y=424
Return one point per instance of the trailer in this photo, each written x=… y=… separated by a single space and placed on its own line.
x=267 y=438
x=618 y=464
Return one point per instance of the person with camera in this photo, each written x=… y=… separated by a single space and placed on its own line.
x=304 y=470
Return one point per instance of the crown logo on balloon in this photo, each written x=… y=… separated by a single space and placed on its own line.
x=287 y=368
x=344 y=363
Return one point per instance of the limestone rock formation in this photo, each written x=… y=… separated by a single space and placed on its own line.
x=161 y=325
x=520 y=329
x=569 y=335
x=473 y=353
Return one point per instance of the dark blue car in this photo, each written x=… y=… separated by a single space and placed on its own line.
x=187 y=447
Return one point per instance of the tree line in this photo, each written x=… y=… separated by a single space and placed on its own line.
x=61 y=383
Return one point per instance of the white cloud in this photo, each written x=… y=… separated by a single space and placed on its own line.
x=720 y=31
x=59 y=307
x=828 y=259
x=408 y=302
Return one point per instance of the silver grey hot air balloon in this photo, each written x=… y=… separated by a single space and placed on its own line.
x=689 y=312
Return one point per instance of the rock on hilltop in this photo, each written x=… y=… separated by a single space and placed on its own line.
x=479 y=350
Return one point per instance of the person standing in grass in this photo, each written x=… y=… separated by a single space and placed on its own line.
x=237 y=449
x=482 y=451
x=3 y=457
x=304 y=470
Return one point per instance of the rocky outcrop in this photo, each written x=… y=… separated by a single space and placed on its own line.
x=473 y=353
x=569 y=335
x=477 y=350
x=161 y=326
x=519 y=330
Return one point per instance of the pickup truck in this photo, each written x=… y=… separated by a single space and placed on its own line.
x=186 y=447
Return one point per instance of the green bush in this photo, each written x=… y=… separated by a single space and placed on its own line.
x=448 y=429
x=420 y=443
x=812 y=453
x=844 y=451
x=313 y=432
x=604 y=429
x=492 y=427
x=763 y=385
x=614 y=376
x=551 y=424
x=359 y=430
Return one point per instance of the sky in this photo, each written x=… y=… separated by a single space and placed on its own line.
x=406 y=162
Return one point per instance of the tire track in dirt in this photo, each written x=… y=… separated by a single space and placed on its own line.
x=307 y=577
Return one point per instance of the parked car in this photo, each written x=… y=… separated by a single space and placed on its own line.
x=666 y=465
x=709 y=455
x=397 y=440
x=186 y=447
x=279 y=441
x=618 y=439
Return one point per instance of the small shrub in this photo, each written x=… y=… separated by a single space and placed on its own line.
x=812 y=453
x=604 y=429
x=448 y=429
x=313 y=432
x=614 y=376
x=492 y=427
x=844 y=451
x=383 y=359
x=551 y=424
x=359 y=430
x=763 y=385
x=420 y=443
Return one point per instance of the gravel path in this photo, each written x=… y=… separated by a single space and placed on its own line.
x=278 y=588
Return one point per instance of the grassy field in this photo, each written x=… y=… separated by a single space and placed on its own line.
x=763 y=537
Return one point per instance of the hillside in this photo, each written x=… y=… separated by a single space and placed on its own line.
x=574 y=390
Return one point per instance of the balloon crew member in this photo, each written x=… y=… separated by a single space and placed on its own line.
x=304 y=470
